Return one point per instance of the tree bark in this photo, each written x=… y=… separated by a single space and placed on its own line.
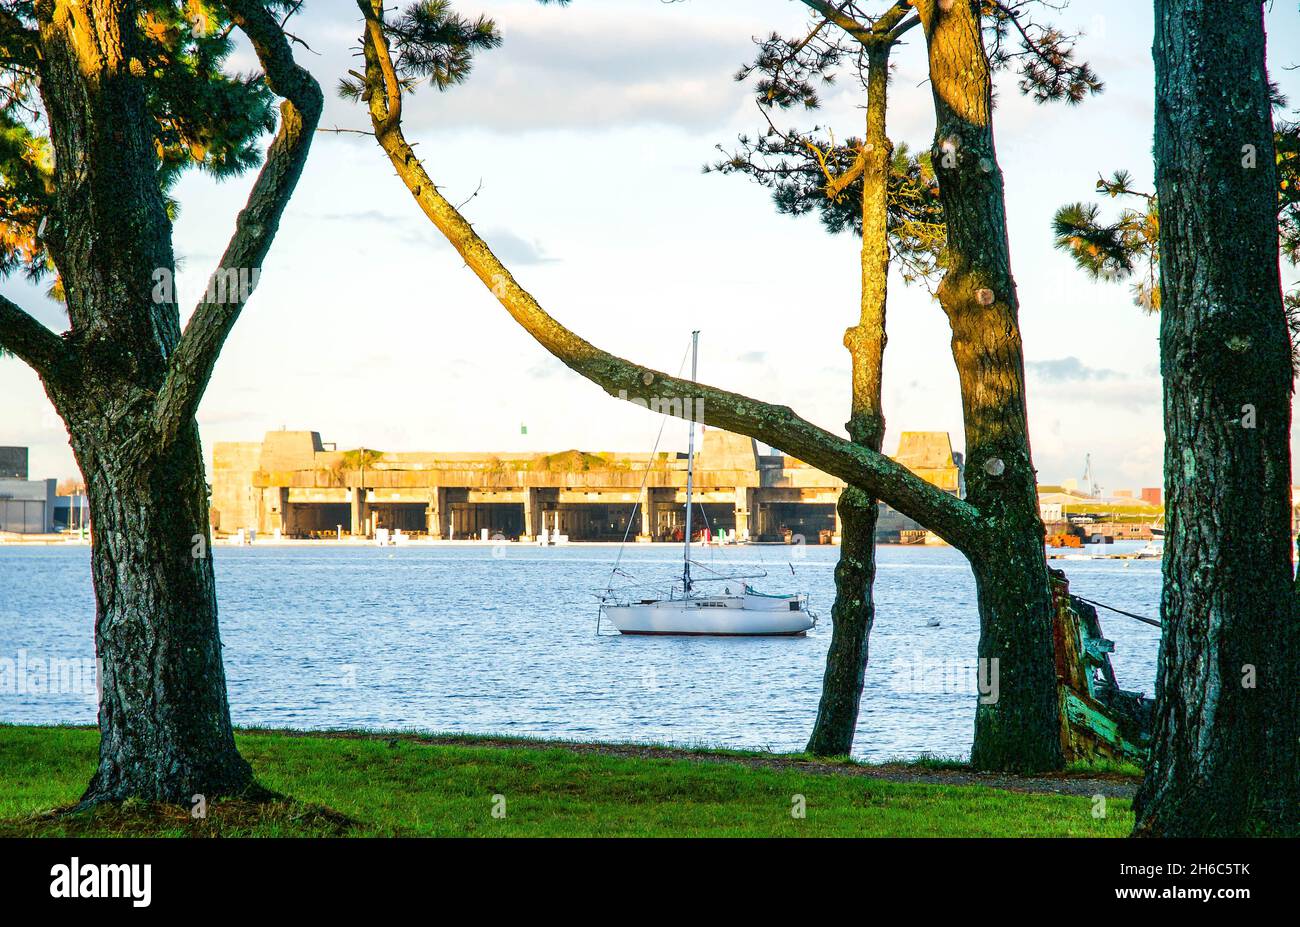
x=126 y=381
x=1020 y=731
x=853 y=612
x=165 y=732
x=1224 y=756
x=852 y=616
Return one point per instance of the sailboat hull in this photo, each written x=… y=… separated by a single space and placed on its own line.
x=744 y=614
x=715 y=616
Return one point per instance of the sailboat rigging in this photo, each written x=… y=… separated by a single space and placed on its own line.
x=745 y=612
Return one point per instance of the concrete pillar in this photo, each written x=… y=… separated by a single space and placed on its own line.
x=533 y=511
x=360 y=513
x=282 y=520
x=646 y=512
x=437 y=514
x=742 y=501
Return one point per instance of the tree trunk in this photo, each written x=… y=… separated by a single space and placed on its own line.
x=164 y=723
x=1020 y=730
x=127 y=382
x=851 y=616
x=854 y=610
x=1224 y=756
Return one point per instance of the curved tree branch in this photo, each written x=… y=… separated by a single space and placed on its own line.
x=230 y=287
x=29 y=340
x=952 y=519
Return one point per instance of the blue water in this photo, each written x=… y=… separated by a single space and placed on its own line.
x=451 y=638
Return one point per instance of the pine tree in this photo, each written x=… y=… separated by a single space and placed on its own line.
x=1225 y=756
x=1129 y=246
x=103 y=106
x=892 y=200
x=1224 y=759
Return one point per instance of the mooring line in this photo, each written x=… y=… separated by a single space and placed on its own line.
x=1120 y=611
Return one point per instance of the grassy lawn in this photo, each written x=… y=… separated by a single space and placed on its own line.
x=401 y=787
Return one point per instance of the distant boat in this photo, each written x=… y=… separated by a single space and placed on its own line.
x=686 y=611
x=1151 y=551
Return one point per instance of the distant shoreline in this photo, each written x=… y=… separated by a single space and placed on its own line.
x=58 y=540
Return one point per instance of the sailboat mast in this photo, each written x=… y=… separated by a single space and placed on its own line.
x=690 y=468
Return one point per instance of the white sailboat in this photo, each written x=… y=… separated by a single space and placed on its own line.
x=738 y=610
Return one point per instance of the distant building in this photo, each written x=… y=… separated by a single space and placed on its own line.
x=290 y=482
x=1153 y=495
x=26 y=506
x=1121 y=516
x=71 y=512
x=929 y=455
x=13 y=463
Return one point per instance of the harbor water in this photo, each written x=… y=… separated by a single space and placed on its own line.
x=503 y=640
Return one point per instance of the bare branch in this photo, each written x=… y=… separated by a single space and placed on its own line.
x=836 y=184
x=255 y=228
x=888 y=27
x=899 y=30
x=832 y=14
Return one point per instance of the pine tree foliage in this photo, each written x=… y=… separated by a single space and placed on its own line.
x=809 y=170
x=1046 y=57
x=1115 y=250
x=204 y=115
x=1129 y=246
x=800 y=168
x=430 y=42
x=1287 y=142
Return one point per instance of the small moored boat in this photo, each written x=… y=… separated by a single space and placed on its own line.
x=744 y=612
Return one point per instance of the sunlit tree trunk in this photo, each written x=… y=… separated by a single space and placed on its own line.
x=854 y=609
x=1021 y=729
x=164 y=723
x=1224 y=758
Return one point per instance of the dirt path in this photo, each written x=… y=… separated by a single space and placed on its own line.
x=1065 y=783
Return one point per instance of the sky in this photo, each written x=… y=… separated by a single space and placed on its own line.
x=584 y=136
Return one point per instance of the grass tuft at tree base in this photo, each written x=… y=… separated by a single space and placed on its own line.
x=405 y=785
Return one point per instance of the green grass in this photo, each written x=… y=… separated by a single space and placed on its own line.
x=403 y=787
x=1102 y=768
